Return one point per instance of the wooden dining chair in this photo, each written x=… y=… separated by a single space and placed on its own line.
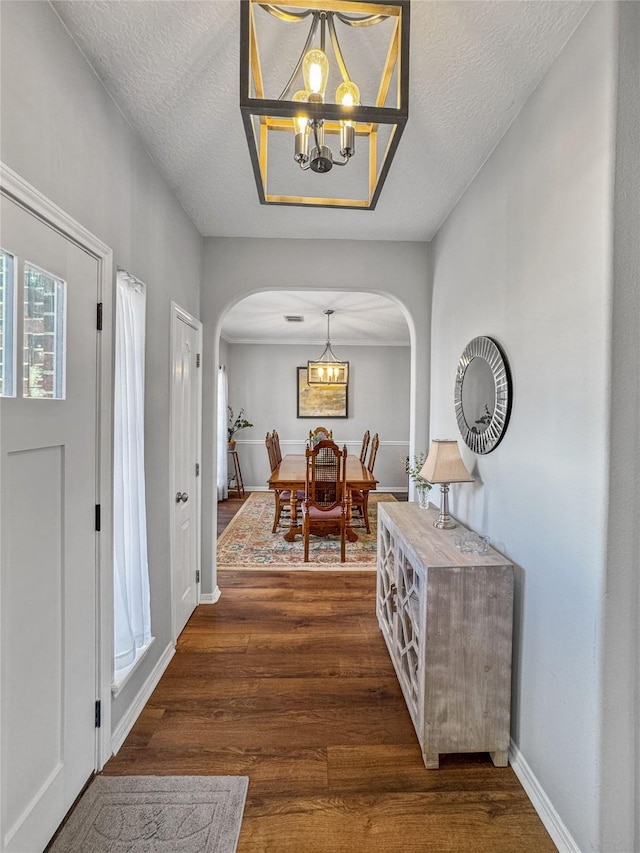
x=320 y=433
x=276 y=446
x=268 y=442
x=282 y=496
x=360 y=497
x=324 y=508
x=366 y=438
x=373 y=452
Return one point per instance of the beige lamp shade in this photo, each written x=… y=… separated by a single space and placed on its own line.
x=444 y=465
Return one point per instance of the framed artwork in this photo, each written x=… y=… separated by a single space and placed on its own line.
x=320 y=401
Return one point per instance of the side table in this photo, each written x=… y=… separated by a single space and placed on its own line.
x=237 y=474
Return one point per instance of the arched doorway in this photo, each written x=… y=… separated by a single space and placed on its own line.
x=237 y=268
x=264 y=343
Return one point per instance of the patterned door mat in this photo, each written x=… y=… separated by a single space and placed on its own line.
x=155 y=814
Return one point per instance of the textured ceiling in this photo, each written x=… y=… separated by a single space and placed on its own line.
x=172 y=67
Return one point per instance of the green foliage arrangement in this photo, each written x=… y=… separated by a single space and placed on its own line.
x=413 y=469
x=235 y=424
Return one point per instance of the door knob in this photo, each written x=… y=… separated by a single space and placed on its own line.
x=182 y=496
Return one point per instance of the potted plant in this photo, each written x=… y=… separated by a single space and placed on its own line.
x=423 y=487
x=234 y=425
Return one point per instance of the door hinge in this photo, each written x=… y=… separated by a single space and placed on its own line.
x=98 y=714
x=197 y=575
x=97 y=518
x=99 y=317
x=197 y=469
x=197 y=359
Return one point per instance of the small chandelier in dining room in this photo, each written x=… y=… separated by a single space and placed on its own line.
x=298 y=121
x=328 y=370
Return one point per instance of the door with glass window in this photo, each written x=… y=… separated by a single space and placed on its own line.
x=48 y=489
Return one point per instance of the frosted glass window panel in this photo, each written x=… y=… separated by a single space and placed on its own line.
x=44 y=335
x=7 y=324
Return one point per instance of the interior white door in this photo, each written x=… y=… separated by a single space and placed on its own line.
x=48 y=464
x=186 y=458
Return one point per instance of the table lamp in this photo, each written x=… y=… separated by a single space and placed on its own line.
x=443 y=465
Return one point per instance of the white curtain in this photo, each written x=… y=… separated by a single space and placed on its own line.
x=221 y=454
x=131 y=573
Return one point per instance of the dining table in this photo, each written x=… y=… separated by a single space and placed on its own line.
x=290 y=475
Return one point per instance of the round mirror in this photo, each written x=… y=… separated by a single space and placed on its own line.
x=478 y=395
x=482 y=395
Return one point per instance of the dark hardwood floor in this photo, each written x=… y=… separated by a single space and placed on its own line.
x=227 y=509
x=287 y=680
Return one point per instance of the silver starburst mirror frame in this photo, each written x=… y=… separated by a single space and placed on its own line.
x=289 y=132
x=482 y=395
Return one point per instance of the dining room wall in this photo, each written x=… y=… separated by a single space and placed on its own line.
x=263 y=381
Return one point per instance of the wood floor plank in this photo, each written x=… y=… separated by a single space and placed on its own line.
x=188 y=693
x=399 y=768
x=145 y=726
x=326 y=661
x=275 y=770
x=313 y=728
x=391 y=823
x=287 y=680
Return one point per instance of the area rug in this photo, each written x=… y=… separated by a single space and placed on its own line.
x=156 y=814
x=248 y=543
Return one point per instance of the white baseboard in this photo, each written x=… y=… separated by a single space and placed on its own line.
x=126 y=723
x=552 y=821
x=210 y=597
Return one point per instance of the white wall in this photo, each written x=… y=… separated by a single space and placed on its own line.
x=620 y=663
x=525 y=258
x=63 y=134
x=236 y=267
x=262 y=379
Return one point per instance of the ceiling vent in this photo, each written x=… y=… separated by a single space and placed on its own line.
x=294 y=318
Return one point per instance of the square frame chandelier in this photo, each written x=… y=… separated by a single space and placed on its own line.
x=316 y=125
x=327 y=370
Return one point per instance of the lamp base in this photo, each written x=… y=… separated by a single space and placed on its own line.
x=444 y=521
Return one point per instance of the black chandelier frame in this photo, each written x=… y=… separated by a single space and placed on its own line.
x=263 y=116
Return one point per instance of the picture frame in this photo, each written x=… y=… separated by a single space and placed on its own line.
x=321 y=401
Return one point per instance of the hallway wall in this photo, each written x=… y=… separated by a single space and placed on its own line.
x=620 y=662
x=62 y=133
x=526 y=258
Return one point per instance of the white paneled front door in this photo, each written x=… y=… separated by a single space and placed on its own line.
x=185 y=449
x=48 y=471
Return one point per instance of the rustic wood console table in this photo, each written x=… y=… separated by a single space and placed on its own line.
x=447 y=620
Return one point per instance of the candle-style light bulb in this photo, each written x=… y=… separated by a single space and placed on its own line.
x=301 y=127
x=315 y=70
x=300 y=120
x=348 y=95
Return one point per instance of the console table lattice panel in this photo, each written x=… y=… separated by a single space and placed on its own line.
x=410 y=640
x=386 y=583
x=447 y=620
